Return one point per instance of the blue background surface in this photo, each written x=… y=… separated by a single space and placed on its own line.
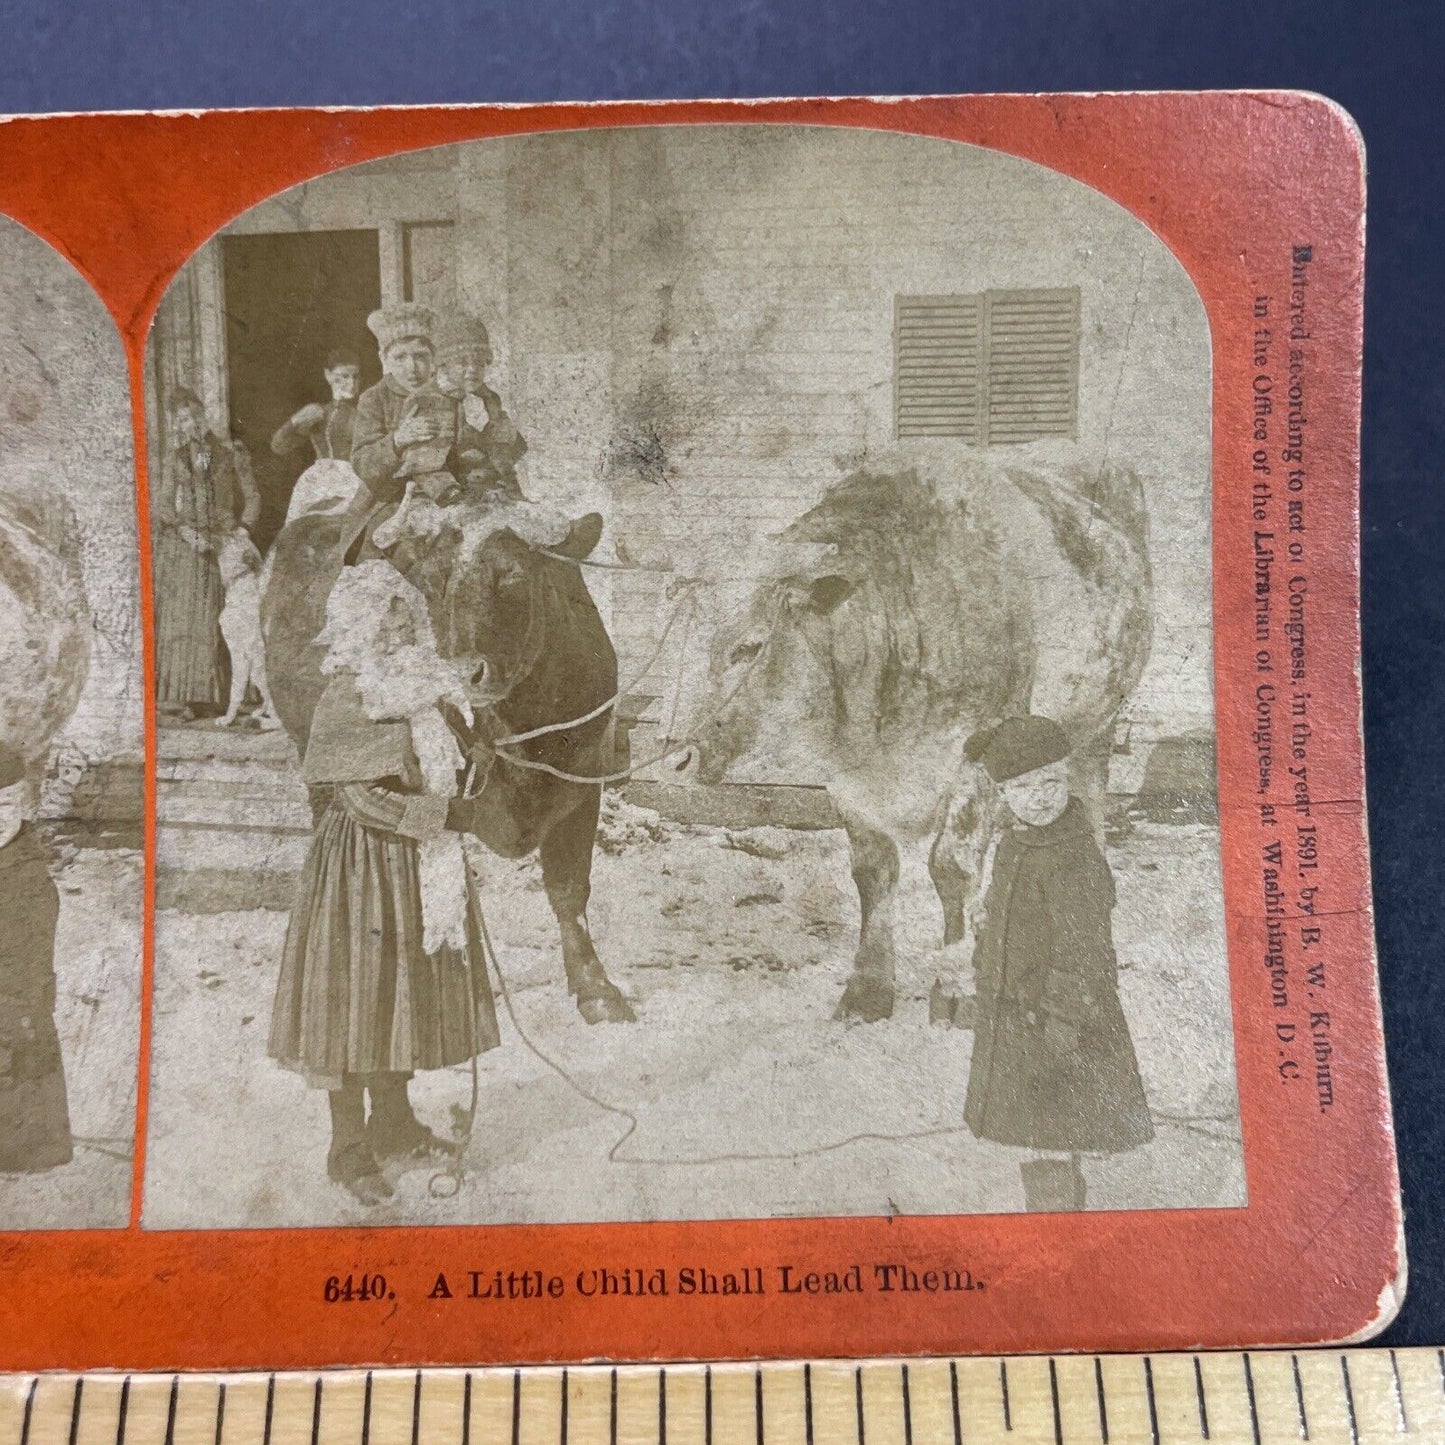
x=1385 y=62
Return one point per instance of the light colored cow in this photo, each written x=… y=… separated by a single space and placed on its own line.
x=45 y=624
x=922 y=610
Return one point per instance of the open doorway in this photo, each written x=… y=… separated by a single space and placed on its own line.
x=290 y=299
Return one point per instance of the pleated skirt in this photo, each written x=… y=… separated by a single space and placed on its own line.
x=357 y=993
x=188 y=599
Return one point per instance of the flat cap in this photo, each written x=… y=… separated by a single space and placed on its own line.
x=1016 y=746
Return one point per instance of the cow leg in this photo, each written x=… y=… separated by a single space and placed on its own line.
x=1089 y=777
x=566 y=857
x=955 y=861
x=869 y=993
x=951 y=883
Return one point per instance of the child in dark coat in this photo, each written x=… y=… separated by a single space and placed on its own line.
x=1053 y=1068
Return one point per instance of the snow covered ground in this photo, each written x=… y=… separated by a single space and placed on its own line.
x=734 y=1094
x=97 y=1013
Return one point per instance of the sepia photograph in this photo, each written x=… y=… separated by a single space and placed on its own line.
x=684 y=689
x=71 y=751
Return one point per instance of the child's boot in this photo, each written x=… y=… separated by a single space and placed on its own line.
x=394 y=1131
x=1053 y=1186
x=350 y=1162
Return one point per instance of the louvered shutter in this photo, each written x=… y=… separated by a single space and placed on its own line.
x=1032 y=365
x=936 y=366
x=991 y=369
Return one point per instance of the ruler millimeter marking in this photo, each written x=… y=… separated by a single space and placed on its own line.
x=1327 y=1397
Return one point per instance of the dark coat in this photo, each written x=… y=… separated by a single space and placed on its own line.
x=1053 y=1064
x=475 y=458
x=329 y=437
x=209 y=488
x=374 y=455
x=34 y=1119
x=376 y=459
x=492 y=461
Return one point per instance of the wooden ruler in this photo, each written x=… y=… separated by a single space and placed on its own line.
x=1353 y=1397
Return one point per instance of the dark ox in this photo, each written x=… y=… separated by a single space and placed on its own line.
x=526 y=627
x=928 y=616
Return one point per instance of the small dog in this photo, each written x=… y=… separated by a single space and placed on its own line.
x=240 y=566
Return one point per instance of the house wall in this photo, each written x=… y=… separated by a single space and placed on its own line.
x=700 y=328
x=693 y=328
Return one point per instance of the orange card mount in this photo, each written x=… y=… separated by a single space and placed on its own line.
x=734 y=730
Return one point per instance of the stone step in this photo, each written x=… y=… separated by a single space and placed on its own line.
x=283 y=772
x=232 y=810
x=191 y=848
x=206 y=740
x=224 y=890
x=232 y=819
x=204 y=784
x=229 y=799
x=110 y=791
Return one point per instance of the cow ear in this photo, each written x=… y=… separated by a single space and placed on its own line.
x=827 y=594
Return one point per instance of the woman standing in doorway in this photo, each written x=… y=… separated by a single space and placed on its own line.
x=206 y=491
